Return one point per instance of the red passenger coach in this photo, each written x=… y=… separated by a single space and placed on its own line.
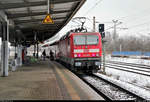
x=82 y=51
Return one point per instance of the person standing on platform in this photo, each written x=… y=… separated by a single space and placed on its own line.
x=44 y=55
x=51 y=55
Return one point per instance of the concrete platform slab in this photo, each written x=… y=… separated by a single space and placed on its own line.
x=44 y=80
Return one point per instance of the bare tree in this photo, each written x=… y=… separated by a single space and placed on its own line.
x=129 y=43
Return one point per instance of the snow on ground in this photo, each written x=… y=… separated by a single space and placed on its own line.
x=140 y=80
x=137 y=90
x=136 y=60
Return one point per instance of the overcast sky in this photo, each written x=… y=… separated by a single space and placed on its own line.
x=135 y=15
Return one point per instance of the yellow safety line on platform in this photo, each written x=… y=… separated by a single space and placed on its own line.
x=68 y=85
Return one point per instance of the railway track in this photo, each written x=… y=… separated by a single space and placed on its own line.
x=129 y=67
x=131 y=64
x=109 y=90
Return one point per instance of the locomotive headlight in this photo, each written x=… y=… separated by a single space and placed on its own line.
x=75 y=55
x=97 y=63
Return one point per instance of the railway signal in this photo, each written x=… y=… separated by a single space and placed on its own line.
x=101 y=27
x=101 y=30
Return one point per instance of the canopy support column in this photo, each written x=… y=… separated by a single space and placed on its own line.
x=4 y=50
x=37 y=51
x=19 y=57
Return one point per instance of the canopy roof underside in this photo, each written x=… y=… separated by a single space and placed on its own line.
x=28 y=15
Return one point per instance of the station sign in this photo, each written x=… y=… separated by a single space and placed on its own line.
x=48 y=20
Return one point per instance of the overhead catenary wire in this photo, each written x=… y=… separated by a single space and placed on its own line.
x=145 y=29
x=121 y=18
x=134 y=14
x=136 y=17
x=139 y=24
x=99 y=1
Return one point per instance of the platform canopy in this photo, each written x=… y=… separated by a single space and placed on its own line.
x=28 y=15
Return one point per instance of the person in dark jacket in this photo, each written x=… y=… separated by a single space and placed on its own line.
x=51 y=55
x=44 y=55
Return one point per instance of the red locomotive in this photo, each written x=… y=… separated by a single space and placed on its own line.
x=81 y=51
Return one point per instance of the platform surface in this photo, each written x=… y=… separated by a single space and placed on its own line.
x=45 y=80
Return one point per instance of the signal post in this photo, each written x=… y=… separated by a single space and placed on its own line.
x=101 y=30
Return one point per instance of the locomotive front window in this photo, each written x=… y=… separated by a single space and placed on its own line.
x=85 y=40
x=92 y=40
x=79 y=40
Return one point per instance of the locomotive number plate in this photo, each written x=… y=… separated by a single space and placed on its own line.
x=86 y=50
